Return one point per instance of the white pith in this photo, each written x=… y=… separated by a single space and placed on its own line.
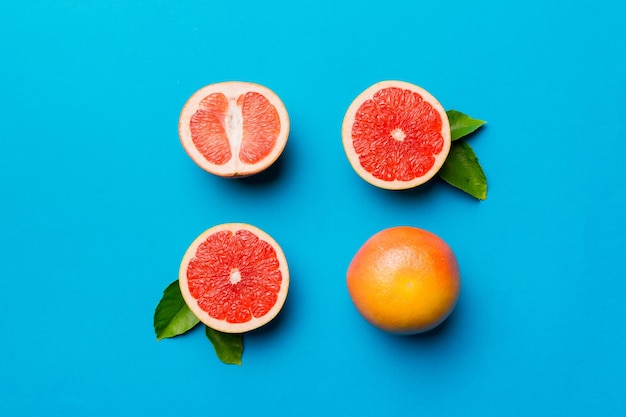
x=353 y=156
x=235 y=275
x=398 y=134
x=233 y=90
x=234 y=129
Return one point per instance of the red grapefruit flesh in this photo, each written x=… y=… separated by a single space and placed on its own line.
x=234 y=129
x=396 y=135
x=234 y=278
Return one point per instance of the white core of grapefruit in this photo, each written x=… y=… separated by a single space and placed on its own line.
x=232 y=124
x=397 y=134
x=235 y=277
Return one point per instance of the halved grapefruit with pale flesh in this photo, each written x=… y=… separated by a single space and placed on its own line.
x=234 y=278
x=234 y=129
x=396 y=135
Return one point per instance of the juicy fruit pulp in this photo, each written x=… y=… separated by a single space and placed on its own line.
x=234 y=128
x=404 y=280
x=249 y=121
x=234 y=278
x=396 y=135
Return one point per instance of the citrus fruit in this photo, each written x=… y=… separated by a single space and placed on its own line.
x=404 y=280
x=396 y=135
x=234 y=129
x=234 y=277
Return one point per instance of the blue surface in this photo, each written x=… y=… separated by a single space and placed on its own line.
x=99 y=203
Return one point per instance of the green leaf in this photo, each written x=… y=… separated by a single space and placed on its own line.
x=463 y=171
x=228 y=346
x=172 y=317
x=461 y=124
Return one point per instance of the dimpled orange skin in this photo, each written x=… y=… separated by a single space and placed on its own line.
x=404 y=280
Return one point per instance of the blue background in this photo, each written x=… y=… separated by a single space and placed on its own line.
x=99 y=202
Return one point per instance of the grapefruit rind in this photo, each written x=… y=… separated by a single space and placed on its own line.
x=404 y=280
x=232 y=90
x=222 y=325
x=353 y=156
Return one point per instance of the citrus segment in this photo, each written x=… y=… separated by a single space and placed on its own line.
x=234 y=277
x=404 y=280
x=396 y=135
x=261 y=127
x=208 y=132
x=234 y=128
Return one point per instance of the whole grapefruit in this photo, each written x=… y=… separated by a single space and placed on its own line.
x=404 y=280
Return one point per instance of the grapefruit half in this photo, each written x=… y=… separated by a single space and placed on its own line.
x=396 y=135
x=234 y=129
x=234 y=277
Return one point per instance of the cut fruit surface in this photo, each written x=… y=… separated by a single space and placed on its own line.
x=234 y=278
x=396 y=135
x=234 y=128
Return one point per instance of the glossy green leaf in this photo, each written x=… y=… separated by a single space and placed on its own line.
x=172 y=317
x=462 y=170
x=461 y=124
x=228 y=346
